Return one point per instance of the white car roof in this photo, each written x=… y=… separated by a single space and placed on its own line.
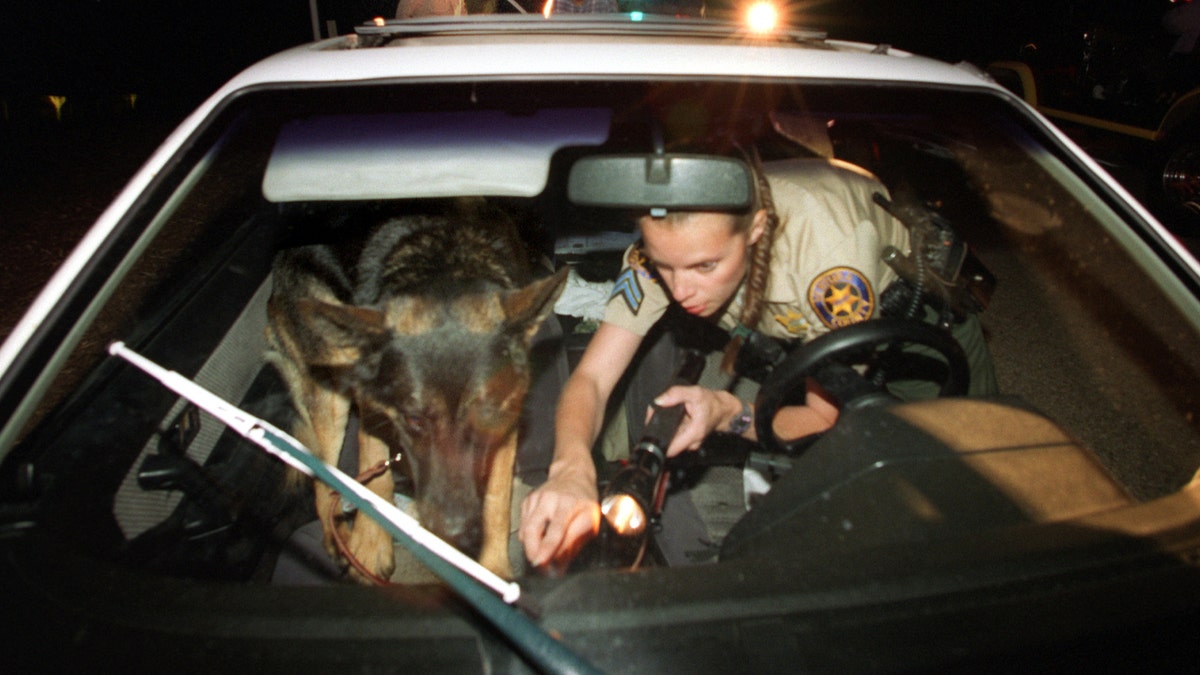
x=592 y=45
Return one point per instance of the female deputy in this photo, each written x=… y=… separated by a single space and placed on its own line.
x=806 y=261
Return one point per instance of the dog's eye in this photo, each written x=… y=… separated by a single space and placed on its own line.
x=416 y=423
x=495 y=415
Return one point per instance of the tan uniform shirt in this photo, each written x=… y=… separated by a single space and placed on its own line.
x=826 y=269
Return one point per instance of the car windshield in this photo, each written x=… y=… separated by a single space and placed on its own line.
x=1092 y=324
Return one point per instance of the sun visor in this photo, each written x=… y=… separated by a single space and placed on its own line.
x=413 y=155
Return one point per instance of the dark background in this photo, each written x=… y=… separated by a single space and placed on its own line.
x=170 y=45
x=186 y=46
x=129 y=70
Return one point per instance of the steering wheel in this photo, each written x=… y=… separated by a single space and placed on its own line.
x=829 y=358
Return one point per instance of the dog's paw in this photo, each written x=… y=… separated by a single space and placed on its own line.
x=371 y=545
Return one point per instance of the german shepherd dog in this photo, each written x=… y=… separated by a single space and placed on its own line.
x=424 y=329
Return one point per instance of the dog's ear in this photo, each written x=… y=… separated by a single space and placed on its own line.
x=345 y=332
x=525 y=308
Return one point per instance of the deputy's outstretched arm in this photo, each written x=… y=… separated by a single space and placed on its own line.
x=563 y=514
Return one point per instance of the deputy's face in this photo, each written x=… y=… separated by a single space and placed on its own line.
x=700 y=257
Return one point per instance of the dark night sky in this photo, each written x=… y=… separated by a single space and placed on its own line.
x=131 y=45
x=177 y=45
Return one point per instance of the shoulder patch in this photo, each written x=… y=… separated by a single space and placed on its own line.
x=628 y=289
x=841 y=296
x=628 y=285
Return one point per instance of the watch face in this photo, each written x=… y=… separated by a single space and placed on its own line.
x=741 y=423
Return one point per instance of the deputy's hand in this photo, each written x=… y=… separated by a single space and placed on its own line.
x=559 y=517
x=705 y=411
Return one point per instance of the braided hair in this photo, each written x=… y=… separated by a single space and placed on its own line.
x=753 y=298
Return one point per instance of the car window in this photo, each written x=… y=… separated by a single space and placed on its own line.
x=1087 y=323
x=188 y=227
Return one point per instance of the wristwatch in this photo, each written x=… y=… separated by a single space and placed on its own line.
x=740 y=424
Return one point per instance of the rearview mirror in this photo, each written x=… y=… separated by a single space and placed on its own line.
x=661 y=182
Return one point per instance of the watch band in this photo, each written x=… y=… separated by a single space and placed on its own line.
x=741 y=424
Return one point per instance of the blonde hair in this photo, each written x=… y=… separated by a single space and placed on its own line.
x=754 y=297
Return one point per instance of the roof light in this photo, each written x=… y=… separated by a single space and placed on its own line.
x=380 y=21
x=762 y=16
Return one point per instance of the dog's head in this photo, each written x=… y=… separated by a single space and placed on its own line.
x=443 y=374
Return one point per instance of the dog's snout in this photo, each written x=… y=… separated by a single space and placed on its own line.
x=453 y=526
x=459 y=531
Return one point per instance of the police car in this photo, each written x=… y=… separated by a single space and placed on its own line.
x=1055 y=525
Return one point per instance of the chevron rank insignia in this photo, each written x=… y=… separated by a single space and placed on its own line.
x=629 y=289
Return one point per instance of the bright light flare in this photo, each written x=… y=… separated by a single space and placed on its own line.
x=624 y=514
x=762 y=17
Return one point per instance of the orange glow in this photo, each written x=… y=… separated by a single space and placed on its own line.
x=624 y=514
x=548 y=8
x=380 y=21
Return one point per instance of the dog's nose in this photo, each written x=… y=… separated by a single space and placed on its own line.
x=453 y=526
x=458 y=531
